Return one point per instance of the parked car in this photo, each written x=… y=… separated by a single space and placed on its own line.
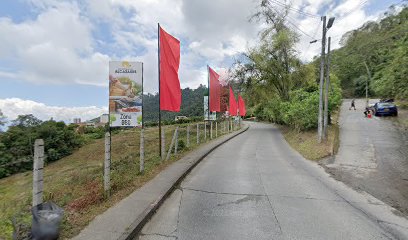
x=385 y=108
x=177 y=118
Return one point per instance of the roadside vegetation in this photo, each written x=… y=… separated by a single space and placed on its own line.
x=305 y=141
x=16 y=144
x=279 y=88
x=377 y=54
x=61 y=139
x=75 y=182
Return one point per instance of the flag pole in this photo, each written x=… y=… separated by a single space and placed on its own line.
x=158 y=67
x=208 y=99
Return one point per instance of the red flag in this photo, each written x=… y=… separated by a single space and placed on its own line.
x=215 y=91
x=242 y=109
x=232 y=104
x=170 y=92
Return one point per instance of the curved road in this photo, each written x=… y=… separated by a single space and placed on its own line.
x=257 y=187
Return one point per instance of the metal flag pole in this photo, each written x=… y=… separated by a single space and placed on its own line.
x=208 y=99
x=158 y=67
x=238 y=110
x=142 y=101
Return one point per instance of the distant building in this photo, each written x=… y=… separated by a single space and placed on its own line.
x=77 y=120
x=104 y=118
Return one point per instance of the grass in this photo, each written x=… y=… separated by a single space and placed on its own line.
x=305 y=142
x=402 y=119
x=76 y=182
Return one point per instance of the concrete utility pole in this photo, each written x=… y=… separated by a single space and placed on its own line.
x=368 y=79
x=141 y=151
x=322 y=57
x=326 y=93
x=107 y=164
x=38 y=166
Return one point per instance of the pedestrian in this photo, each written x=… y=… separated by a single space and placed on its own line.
x=367 y=111
x=352 y=105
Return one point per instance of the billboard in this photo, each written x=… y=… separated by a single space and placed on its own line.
x=213 y=115
x=125 y=94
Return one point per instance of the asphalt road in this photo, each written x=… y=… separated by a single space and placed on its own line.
x=373 y=155
x=256 y=187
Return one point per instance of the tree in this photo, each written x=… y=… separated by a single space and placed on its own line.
x=271 y=67
x=376 y=52
x=2 y=119
x=26 y=121
x=16 y=143
x=278 y=87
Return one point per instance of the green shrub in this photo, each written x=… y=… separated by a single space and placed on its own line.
x=301 y=111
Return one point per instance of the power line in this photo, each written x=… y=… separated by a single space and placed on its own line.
x=299 y=11
x=361 y=4
x=298 y=28
x=314 y=35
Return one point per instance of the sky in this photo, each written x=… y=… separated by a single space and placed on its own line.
x=54 y=54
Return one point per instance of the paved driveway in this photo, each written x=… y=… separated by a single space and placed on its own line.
x=373 y=156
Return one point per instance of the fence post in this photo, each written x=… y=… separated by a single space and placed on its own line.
x=198 y=133
x=211 y=129
x=176 y=142
x=188 y=136
x=216 y=129
x=163 y=143
x=171 y=144
x=141 y=160
x=38 y=172
x=205 y=131
x=107 y=163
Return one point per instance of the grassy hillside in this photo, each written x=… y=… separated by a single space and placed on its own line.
x=76 y=182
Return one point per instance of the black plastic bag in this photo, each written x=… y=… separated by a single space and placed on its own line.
x=46 y=220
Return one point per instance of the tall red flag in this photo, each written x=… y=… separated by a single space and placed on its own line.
x=215 y=91
x=170 y=92
x=232 y=104
x=241 y=103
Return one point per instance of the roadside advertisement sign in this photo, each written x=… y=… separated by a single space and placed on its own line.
x=125 y=94
x=213 y=115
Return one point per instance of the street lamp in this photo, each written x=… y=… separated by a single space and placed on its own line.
x=330 y=23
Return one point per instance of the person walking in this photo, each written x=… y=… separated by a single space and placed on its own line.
x=353 y=105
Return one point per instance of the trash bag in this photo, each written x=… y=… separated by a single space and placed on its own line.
x=46 y=220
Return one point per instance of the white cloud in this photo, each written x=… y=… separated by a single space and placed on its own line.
x=57 y=47
x=60 y=45
x=12 y=107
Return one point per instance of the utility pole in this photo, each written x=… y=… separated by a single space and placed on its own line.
x=326 y=94
x=322 y=57
x=368 y=79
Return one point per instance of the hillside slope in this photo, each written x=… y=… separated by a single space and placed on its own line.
x=76 y=182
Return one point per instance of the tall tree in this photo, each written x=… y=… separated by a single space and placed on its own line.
x=2 y=119
x=28 y=120
x=270 y=66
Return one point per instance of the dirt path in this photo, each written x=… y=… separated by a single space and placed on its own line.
x=373 y=156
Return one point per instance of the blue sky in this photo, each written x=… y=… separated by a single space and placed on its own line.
x=54 y=54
